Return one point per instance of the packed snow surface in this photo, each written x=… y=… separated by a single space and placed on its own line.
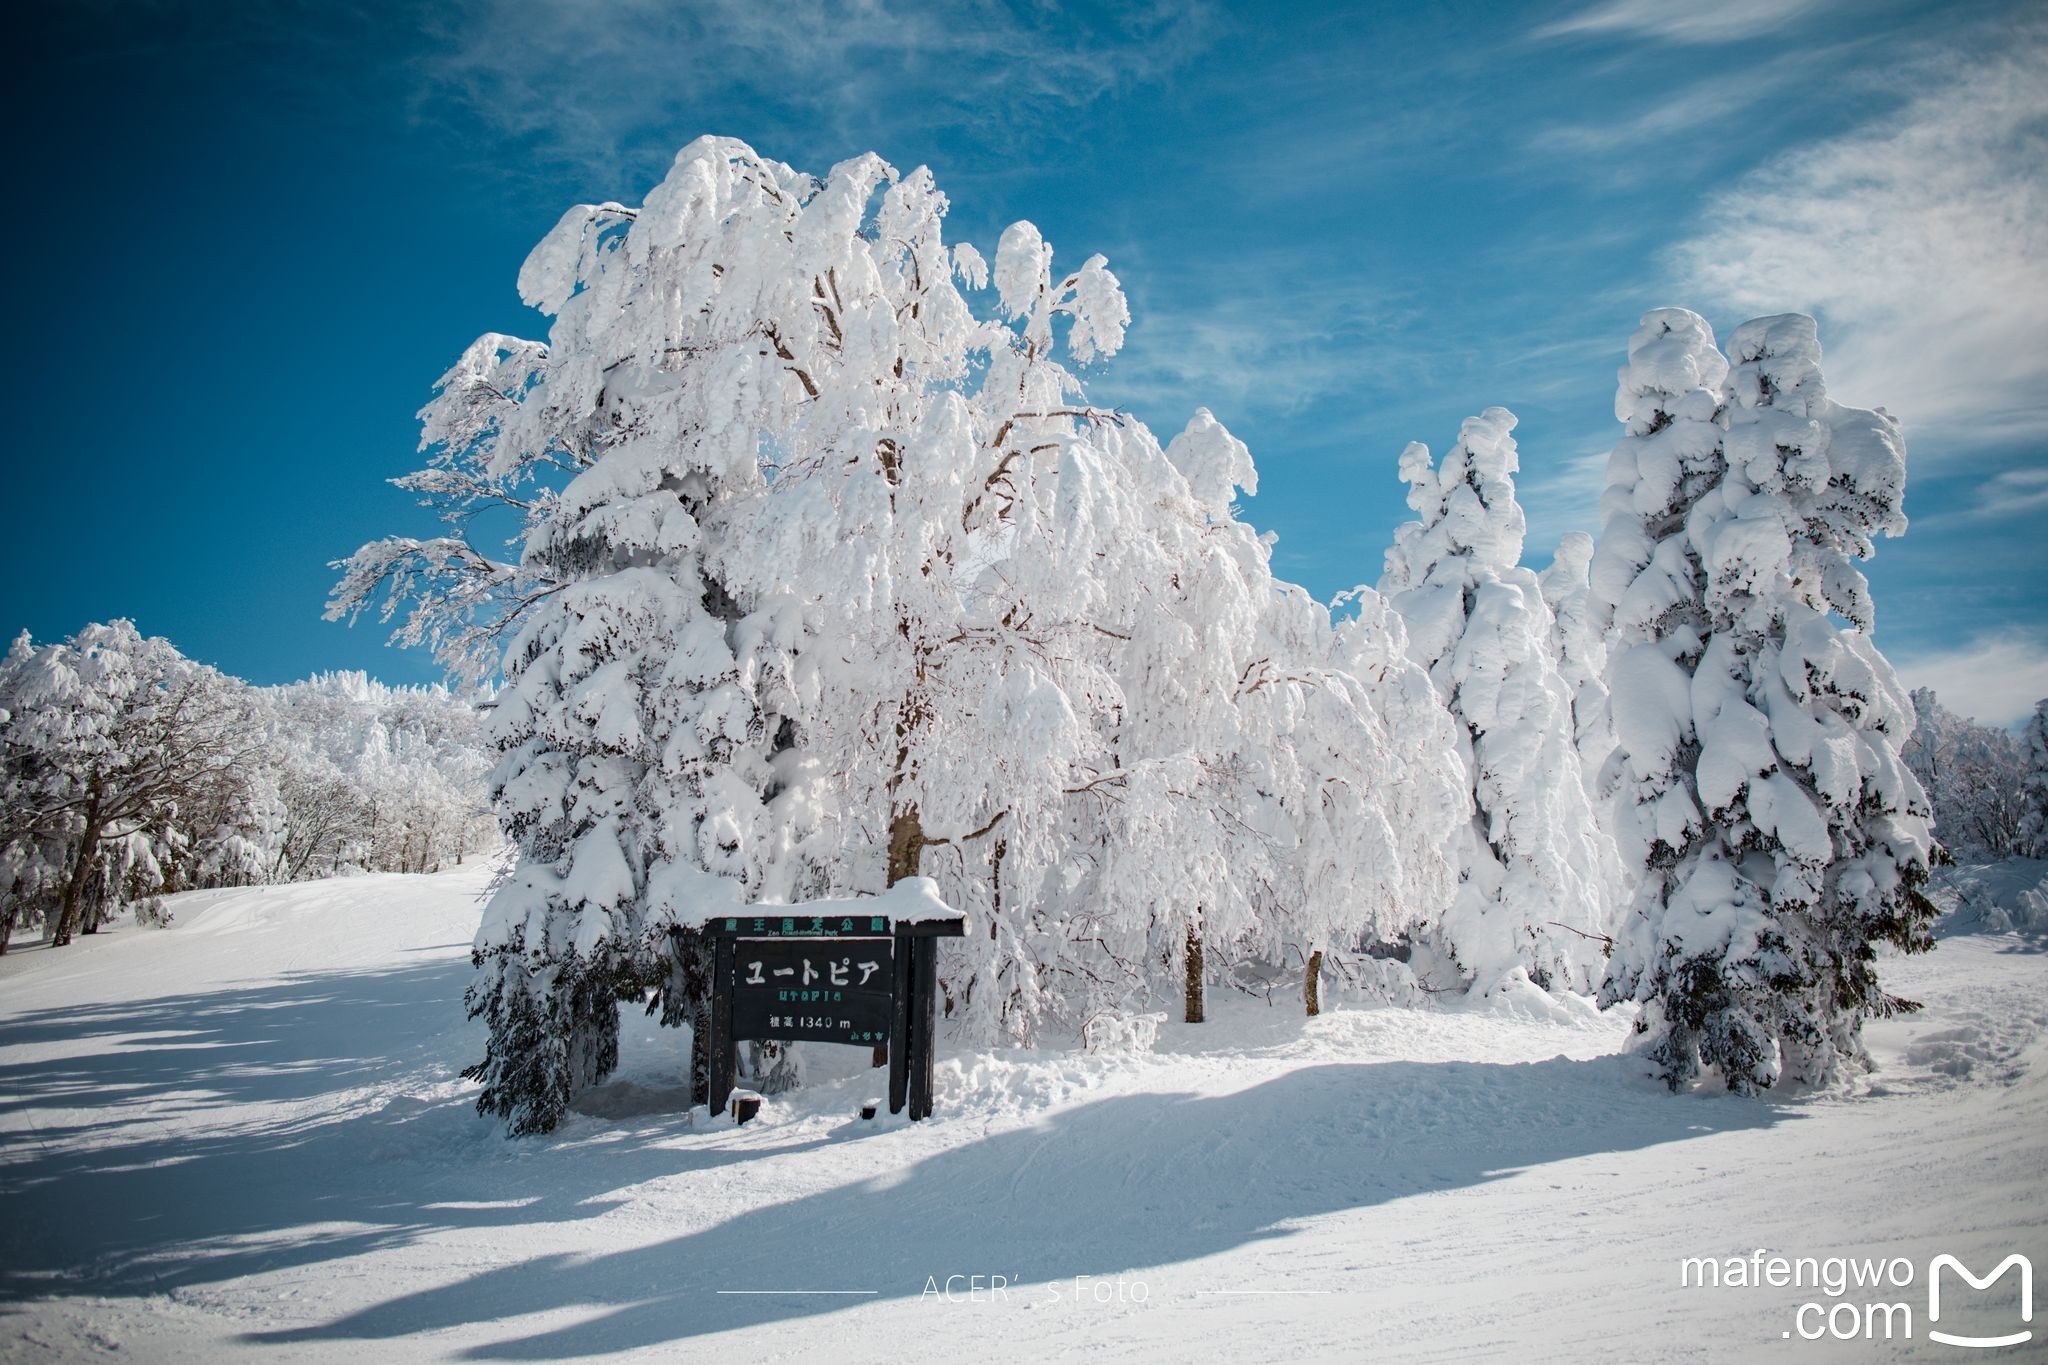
x=245 y=1136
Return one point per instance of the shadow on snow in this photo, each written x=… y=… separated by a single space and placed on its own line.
x=1132 y=1181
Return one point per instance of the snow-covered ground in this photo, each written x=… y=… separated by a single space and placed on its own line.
x=245 y=1136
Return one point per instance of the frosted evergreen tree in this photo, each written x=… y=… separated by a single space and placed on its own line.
x=1535 y=893
x=648 y=720
x=1645 y=580
x=1778 y=835
x=2032 y=837
x=1580 y=644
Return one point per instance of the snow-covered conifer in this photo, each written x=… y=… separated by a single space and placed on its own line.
x=1535 y=891
x=2032 y=838
x=646 y=701
x=1580 y=643
x=1777 y=833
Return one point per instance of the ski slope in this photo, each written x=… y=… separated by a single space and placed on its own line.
x=245 y=1137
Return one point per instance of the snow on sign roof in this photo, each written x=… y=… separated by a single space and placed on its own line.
x=914 y=900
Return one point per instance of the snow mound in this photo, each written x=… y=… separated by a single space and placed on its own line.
x=1514 y=996
x=2009 y=897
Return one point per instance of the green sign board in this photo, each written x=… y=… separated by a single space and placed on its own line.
x=839 y=990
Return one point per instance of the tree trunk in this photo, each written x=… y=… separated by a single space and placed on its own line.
x=1312 y=987
x=1193 y=989
x=700 y=1051
x=7 y=919
x=74 y=885
x=906 y=844
x=906 y=854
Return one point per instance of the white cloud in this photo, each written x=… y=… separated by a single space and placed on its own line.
x=1995 y=679
x=1260 y=343
x=2014 y=493
x=1561 y=492
x=597 y=86
x=1677 y=21
x=2018 y=492
x=1921 y=242
x=1668 y=111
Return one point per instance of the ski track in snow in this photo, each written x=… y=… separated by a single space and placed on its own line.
x=246 y=1136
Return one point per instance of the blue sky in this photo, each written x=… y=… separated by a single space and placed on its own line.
x=246 y=238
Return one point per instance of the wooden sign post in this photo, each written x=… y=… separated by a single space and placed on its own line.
x=847 y=978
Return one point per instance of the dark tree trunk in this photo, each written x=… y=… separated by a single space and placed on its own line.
x=74 y=885
x=700 y=1052
x=1312 y=987
x=1193 y=964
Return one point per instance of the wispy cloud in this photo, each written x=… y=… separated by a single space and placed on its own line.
x=2008 y=495
x=1563 y=493
x=1996 y=679
x=1672 y=110
x=1921 y=241
x=1275 y=344
x=1675 y=21
x=605 y=86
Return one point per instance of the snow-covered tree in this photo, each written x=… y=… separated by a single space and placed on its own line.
x=1580 y=645
x=1251 y=816
x=1175 y=833
x=107 y=738
x=1974 y=777
x=933 y=546
x=1355 y=875
x=1537 y=881
x=1763 y=803
x=649 y=715
x=1427 y=788
x=827 y=581
x=204 y=781
x=2032 y=839
x=357 y=776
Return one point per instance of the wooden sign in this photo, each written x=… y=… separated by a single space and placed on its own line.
x=863 y=980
